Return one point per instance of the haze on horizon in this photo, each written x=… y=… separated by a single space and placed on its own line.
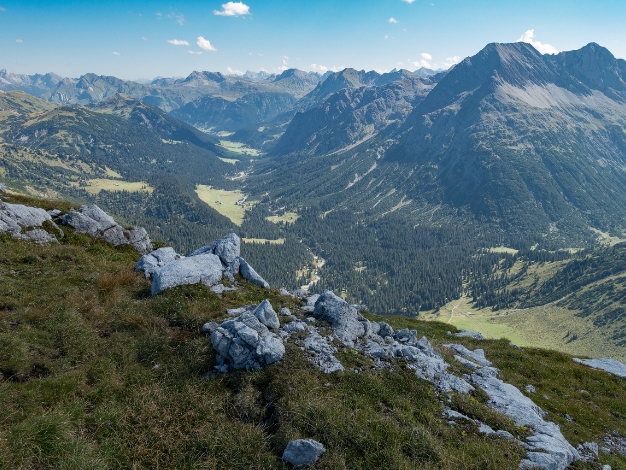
x=142 y=39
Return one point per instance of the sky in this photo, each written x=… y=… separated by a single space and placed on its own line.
x=146 y=39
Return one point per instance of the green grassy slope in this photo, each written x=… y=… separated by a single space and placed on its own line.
x=97 y=374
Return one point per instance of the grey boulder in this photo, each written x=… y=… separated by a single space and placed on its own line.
x=16 y=218
x=266 y=315
x=156 y=259
x=245 y=343
x=469 y=334
x=343 y=318
x=228 y=248
x=201 y=269
x=303 y=453
x=95 y=222
x=248 y=273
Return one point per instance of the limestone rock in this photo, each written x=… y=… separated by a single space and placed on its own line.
x=3 y=188
x=469 y=334
x=95 y=222
x=228 y=248
x=248 y=273
x=343 y=318
x=16 y=217
x=245 y=343
x=156 y=259
x=266 y=315
x=205 y=269
x=303 y=453
x=608 y=365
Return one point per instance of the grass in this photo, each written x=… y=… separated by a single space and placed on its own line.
x=223 y=202
x=239 y=148
x=96 y=374
x=100 y=184
x=287 y=218
x=279 y=241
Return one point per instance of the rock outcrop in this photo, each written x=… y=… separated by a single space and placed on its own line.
x=156 y=259
x=608 y=365
x=245 y=342
x=303 y=453
x=547 y=447
x=25 y=223
x=201 y=269
x=95 y=222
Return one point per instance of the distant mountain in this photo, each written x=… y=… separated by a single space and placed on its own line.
x=35 y=85
x=532 y=144
x=214 y=113
x=425 y=72
x=258 y=76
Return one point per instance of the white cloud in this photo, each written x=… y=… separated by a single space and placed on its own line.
x=408 y=1
x=3 y=9
x=20 y=41
x=421 y=63
x=450 y=61
x=179 y=17
x=393 y=20
x=205 y=44
x=233 y=9
x=116 y=53
x=386 y=37
x=426 y=55
x=543 y=48
x=233 y=71
x=321 y=68
x=178 y=42
x=194 y=52
x=144 y=38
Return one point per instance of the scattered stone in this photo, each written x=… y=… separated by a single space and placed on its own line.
x=310 y=301
x=54 y=213
x=609 y=365
x=95 y=222
x=470 y=334
x=310 y=320
x=530 y=389
x=606 y=467
x=490 y=432
x=605 y=450
x=3 y=188
x=266 y=315
x=451 y=414
x=385 y=329
x=303 y=453
x=300 y=294
x=156 y=259
x=616 y=443
x=513 y=345
x=248 y=273
x=284 y=292
x=589 y=451
x=295 y=327
x=221 y=288
x=245 y=343
x=322 y=353
x=285 y=312
x=569 y=418
x=308 y=308
x=201 y=269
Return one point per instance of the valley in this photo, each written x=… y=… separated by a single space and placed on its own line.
x=404 y=183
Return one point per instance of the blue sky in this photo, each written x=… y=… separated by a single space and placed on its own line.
x=130 y=39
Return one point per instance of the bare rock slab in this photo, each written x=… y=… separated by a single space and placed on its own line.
x=201 y=269
x=608 y=365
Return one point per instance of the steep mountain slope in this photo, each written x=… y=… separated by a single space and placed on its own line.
x=352 y=115
x=216 y=114
x=526 y=140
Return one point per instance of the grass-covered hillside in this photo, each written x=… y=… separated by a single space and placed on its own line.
x=97 y=374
